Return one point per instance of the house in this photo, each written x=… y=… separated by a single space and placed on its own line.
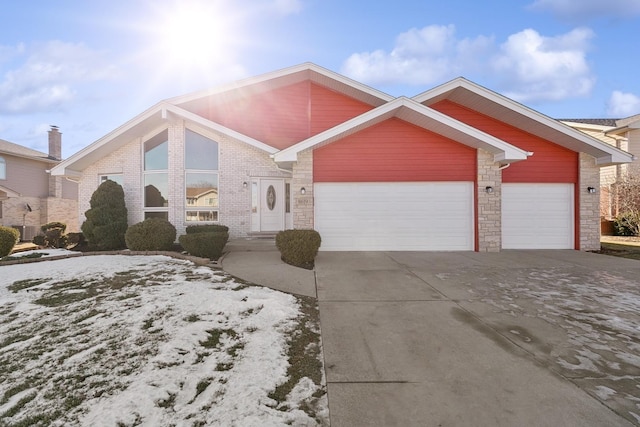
x=458 y=167
x=29 y=195
x=621 y=133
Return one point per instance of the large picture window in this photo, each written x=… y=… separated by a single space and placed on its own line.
x=156 y=176
x=201 y=178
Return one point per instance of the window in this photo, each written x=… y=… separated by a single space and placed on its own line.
x=156 y=176
x=117 y=178
x=201 y=178
x=3 y=168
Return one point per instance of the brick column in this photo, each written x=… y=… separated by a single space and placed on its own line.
x=589 y=203
x=489 y=204
x=303 y=203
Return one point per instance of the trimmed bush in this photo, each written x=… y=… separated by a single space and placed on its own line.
x=106 y=222
x=8 y=239
x=54 y=236
x=206 y=245
x=299 y=247
x=152 y=234
x=76 y=239
x=209 y=228
x=40 y=240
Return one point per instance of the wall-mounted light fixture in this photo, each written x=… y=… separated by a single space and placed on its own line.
x=244 y=184
x=488 y=189
x=591 y=190
x=303 y=191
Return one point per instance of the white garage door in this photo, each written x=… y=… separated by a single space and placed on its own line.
x=395 y=216
x=537 y=216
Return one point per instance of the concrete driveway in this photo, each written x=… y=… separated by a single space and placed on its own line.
x=519 y=338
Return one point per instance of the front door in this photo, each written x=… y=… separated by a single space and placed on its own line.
x=271 y=204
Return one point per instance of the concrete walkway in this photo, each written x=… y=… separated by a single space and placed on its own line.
x=453 y=339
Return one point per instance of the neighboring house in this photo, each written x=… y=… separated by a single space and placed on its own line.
x=29 y=195
x=458 y=167
x=621 y=133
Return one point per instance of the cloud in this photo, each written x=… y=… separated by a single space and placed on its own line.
x=49 y=77
x=532 y=67
x=419 y=57
x=526 y=67
x=623 y=104
x=573 y=10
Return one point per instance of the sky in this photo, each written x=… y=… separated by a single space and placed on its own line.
x=90 y=66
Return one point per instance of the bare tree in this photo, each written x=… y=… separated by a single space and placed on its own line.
x=627 y=198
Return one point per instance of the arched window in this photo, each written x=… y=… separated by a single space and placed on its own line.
x=3 y=168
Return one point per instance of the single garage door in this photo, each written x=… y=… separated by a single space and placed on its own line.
x=395 y=216
x=537 y=216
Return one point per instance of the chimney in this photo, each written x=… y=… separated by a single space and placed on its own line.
x=55 y=143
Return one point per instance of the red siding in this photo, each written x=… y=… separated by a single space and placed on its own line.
x=549 y=163
x=287 y=115
x=279 y=117
x=394 y=151
x=329 y=108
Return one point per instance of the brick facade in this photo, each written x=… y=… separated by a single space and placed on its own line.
x=238 y=163
x=489 y=204
x=589 y=203
x=303 y=207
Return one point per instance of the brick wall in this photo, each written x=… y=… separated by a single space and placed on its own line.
x=303 y=203
x=60 y=210
x=238 y=163
x=489 y=204
x=589 y=203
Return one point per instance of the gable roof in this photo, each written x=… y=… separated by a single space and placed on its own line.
x=284 y=77
x=10 y=148
x=413 y=112
x=153 y=120
x=471 y=95
x=625 y=125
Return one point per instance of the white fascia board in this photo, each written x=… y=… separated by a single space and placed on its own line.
x=68 y=164
x=187 y=115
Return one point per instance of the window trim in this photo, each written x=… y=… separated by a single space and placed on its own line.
x=3 y=168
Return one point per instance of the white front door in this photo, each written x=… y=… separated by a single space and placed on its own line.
x=271 y=204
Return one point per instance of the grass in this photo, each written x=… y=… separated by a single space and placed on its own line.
x=70 y=362
x=620 y=250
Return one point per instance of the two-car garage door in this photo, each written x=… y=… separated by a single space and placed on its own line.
x=395 y=216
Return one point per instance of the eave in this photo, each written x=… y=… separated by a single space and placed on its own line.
x=492 y=104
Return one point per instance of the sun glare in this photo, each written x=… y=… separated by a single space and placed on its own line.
x=194 y=33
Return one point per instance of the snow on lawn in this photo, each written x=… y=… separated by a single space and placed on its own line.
x=150 y=340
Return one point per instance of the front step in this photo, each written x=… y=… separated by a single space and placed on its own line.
x=262 y=235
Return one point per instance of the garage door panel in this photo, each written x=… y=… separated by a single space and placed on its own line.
x=537 y=216
x=394 y=216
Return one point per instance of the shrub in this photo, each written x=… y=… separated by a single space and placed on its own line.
x=152 y=234
x=76 y=239
x=206 y=245
x=40 y=240
x=209 y=228
x=8 y=239
x=626 y=224
x=106 y=222
x=298 y=247
x=54 y=236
